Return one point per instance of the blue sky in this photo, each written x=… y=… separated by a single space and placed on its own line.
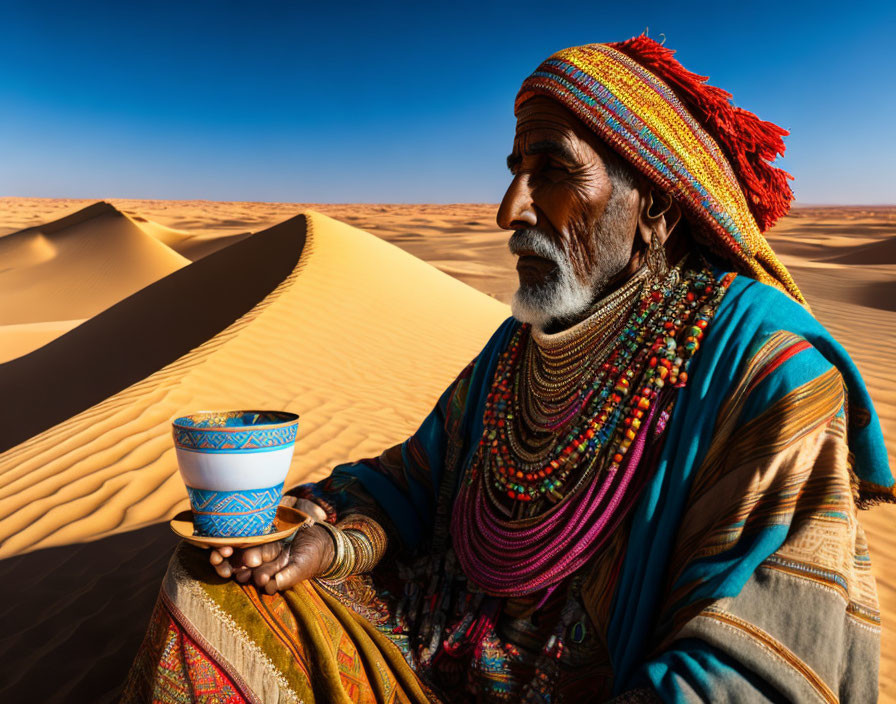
x=399 y=102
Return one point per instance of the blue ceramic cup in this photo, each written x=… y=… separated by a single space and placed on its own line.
x=234 y=464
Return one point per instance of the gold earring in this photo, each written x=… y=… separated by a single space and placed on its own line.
x=657 y=264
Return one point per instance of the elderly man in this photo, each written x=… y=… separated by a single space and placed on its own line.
x=644 y=488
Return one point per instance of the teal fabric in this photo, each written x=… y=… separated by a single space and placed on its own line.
x=747 y=316
x=695 y=671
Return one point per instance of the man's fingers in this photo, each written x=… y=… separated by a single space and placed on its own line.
x=271 y=551
x=272 y=566
x=252 y=557
x=285 y=578
x=262 y=575
x=223 y=569
x=255 y=557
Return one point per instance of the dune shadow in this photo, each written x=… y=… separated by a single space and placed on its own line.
x=144 y=332
x=878 y=294
x=870 y=229
x=876 y=253
x=199 y=247
x=859 y=287
x=73 y=617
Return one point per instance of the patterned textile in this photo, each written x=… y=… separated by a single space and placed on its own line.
x=628 y=597
x=742 y=573
x=172 y=668
x=752 y=519
x=821 y=568
x=647 y=107
x=305 y=645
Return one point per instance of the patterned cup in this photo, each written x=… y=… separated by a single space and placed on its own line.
x=234 y=464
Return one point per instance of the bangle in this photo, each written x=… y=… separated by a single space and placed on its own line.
x=364 y=555
x=343 y=563
x=368 y=539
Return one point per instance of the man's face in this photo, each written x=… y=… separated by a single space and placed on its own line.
x=574 y=229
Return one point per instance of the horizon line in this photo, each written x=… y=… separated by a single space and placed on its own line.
x=365 y=202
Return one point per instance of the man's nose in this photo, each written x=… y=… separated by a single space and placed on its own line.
x=517 y=211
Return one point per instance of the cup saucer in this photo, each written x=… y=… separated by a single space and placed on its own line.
x=287 y=521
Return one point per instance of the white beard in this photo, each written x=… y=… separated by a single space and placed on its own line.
x=563 y=295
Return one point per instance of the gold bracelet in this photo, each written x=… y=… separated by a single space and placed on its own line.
x=360 y=548
x=368 y=539
x=365 y=556
x=343 y=563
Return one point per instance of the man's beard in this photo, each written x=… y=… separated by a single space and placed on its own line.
x=563 y=296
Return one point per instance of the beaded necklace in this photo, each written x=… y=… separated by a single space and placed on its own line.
x=552 y=388
x=556 y=366
x=610 y=376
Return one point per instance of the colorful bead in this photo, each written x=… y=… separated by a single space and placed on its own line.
x=551 y=407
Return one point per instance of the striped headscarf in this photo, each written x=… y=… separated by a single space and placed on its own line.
x=686 y=137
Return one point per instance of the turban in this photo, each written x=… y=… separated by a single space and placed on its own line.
x=686 y=137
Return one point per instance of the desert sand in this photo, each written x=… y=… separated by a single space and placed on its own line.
x=117 y=316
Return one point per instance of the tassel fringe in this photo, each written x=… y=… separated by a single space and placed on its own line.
x=750 y=144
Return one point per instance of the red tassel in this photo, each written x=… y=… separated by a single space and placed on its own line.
x=749 y=143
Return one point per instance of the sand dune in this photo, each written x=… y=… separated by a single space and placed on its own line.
x=471 y=251
x=20 y=339
x=56 y=275
x=166 y=235
x=78 y=265
x=188 y=244
x=355 y=335
x=464 y=232
x=818 y=233
x=359 y=340
x=144 y=332
x=875 y=253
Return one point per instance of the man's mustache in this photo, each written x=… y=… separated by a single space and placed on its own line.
x=531 y=241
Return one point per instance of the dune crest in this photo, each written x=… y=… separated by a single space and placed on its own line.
x=359 y=340
x=142 y=333
x=78 y=265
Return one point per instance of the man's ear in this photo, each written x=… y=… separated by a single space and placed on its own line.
x=657 y=212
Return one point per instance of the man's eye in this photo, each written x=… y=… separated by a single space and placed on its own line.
x=554 y=166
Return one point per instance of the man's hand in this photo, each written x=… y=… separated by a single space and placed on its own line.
x=310 y=554
x=274 y=566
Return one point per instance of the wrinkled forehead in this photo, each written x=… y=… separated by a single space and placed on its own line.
x=541 y=119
